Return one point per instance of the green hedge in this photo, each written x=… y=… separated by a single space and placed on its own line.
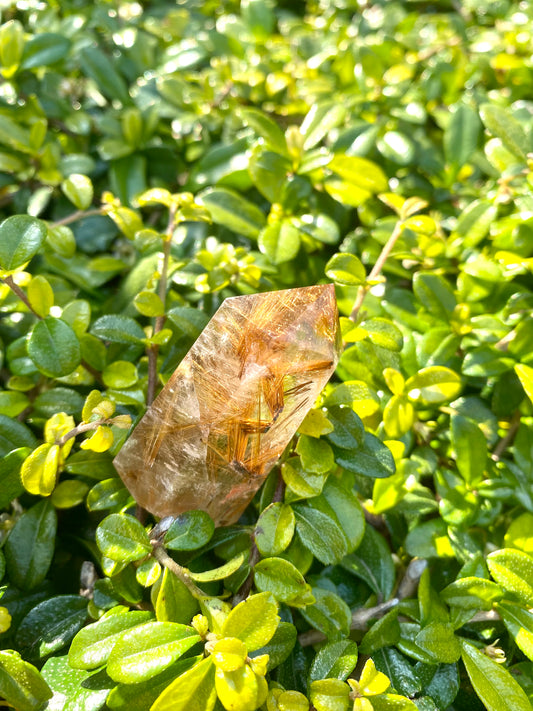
x=156 y=158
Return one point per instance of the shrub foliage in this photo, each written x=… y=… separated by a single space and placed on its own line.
x=156 y=158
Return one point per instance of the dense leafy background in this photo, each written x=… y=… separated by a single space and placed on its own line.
x=156 y=158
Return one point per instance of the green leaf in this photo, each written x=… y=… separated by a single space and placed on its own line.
x=118 y=329
x=44 y=49
x=21 y=685
x=146 y=650
x=329 y=695
x=347 y=509
x=284 y=581
x=96 y=65
x=320 y=534
x=346 y=269
x=525 y=375
x=374 y=459
x=439 y=641
x=69 y=493
x=435 y=294
x=320 y=227
x=519 y=534
x=264 y=127
x=40 y=295
x=519 y=622
x=30 y=546
x=229 y=209
x=224 y=571
x=172 y=599
x=120 y=374
x=39 y=471
x=92 y=645
x=253 y=621
x=280 y=645
x=274 y=529
x=513 y=570
x=383 y=633
x=268 y=171
x=360 y=172
x=472 y=593
x=433 y=385
x=192 y=691
x=51 y=625
x=461 y=135
x=141 y=695
x=54 y=347
x=397 y=147
x=502 y=124
x=21 y=237
x=241 y=689
x=319 y=121
x=335 y=660
x=373 y=563
x=329 y=614
x=470 y=448
x=10 y=483
x=474 y=223
x=398 y=669
x=149 y=304
x=493 y=683
x=79 y=190
x=189 y=530
x=349 y=431
x=301 y=484
x=122 y=538
x=280 y=241
x=316 y=455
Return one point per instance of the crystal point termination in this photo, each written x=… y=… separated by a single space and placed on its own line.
x=231 y=407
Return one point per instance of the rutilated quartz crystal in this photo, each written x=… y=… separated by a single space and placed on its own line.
x=231 y=407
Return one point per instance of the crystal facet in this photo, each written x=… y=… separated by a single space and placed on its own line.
x=231 y=407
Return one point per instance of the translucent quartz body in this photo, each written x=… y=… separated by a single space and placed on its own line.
x=231 y=407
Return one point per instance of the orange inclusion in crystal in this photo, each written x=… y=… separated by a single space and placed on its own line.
x=231 y=407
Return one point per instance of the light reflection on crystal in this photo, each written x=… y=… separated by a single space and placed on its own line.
x=231 y=407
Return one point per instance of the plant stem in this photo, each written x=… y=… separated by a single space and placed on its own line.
x=505 y=441
x=78 y=215
x=179 y=571
x=360 y=620
x=15 y=288
x=75 y=431
x=376 y=269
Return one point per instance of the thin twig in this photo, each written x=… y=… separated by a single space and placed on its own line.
x=505 y=441
x=78 y=215
x=15 y=288
x=360 y=620
x=409 y=583
x=279 y=493
x=79 y=429
x=179 y=571
x=376 y=269
x=246 y=587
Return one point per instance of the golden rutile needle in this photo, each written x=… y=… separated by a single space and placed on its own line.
x=231 y=407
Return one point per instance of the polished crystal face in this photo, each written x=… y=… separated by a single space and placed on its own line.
x=231 y=407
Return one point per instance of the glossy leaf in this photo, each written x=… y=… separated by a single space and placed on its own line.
x=146 y=650
x=122 y=538
x=30 y=546
x=189 y=530
x=494 y=685
x=92 y=645
x=21 y=237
